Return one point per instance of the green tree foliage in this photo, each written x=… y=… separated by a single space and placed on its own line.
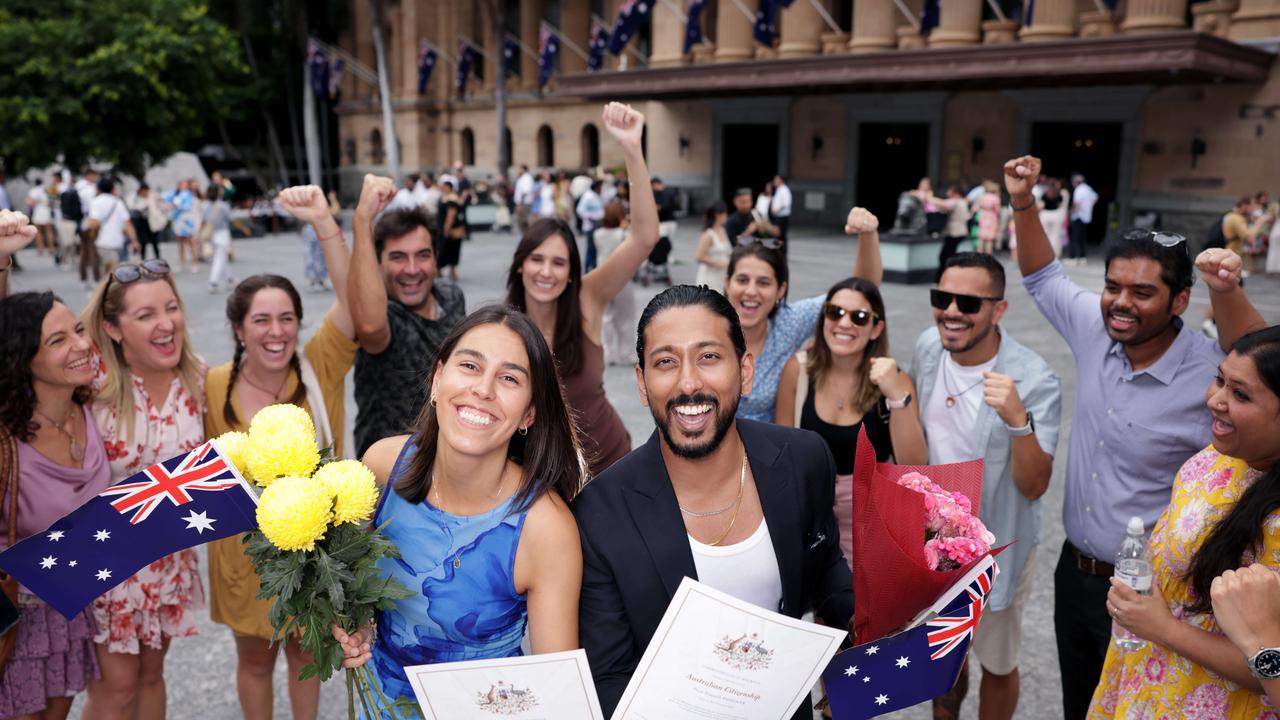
x=122 y=81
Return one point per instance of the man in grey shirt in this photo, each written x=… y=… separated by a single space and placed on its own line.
x=1139 y=412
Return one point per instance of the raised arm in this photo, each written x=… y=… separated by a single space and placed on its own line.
x=1034 y=249
x=1236 y=316
x=307 y=203
x=366 y=295
x=15 y=233
x=868 y=266
x=601 y=285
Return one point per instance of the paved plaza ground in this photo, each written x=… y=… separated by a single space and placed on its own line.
x=200 y=671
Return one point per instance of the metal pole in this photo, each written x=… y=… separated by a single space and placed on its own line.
x=309 y=129
x=384 y=92
x=906 y=12
x=995 y=8
x=826 y=16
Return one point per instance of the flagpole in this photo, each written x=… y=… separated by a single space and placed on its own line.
x=472 y=44
x=572 y=45
x=682 y=13
x=747 y=11
x=523 y=48
x=441 y=55
x=995 y=8
x=826 y=16
x=906 y=12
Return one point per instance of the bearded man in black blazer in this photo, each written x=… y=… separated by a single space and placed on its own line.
x=745 y=507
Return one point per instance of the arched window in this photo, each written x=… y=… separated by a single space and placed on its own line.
x=376 y=154
x=350 y=148
x=590 y=146
x=507 y=149
x=468 y=142
x=546 y=147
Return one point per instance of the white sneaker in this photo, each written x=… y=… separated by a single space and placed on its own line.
x=1210 y=329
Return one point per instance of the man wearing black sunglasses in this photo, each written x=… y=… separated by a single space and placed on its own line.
x=985 y=396
x=1141 y=375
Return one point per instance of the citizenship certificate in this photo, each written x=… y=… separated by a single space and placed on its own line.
x=553 y=686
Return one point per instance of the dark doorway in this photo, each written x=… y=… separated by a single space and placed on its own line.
x=590 y=146
x=1091 y=149
x=892 y=157
x=749 y=158
x=546 y=148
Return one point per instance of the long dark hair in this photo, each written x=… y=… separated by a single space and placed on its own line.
x=568 y=337
x=21 y=329
x=820 y=357
x=238 y=304
x=773 y=258
x=709 y=217
x=549 y=453
x=1240 y=530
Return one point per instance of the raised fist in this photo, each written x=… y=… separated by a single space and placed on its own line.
x=1001 y=393
x=860 y=220
x=624 y=123
x=376 y=194
x=16 y=232
x=1021 y=174
x=1220 y=269
x=305 y=202
x=886 y=376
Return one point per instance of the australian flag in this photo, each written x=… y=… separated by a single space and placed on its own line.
x=318 y=63
x=180 y=503
x=548 y=48
x=930 y=16
x=511 y=56
x=915 y=665
x=632 y=16
x=427 y=57
x=596 y=47
x=335 y=79
x=467 y=56
x=765 y=28
x=693 y=25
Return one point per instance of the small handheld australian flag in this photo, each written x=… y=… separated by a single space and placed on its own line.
x=179 y=503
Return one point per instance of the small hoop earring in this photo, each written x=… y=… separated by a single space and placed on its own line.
x=432 y=400
x=524 y=430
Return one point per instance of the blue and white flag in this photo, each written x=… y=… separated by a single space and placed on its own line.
x=335 y=79
x=930 y=16
x=765 y=28
x=467 y=56
x=632 y=17
x=548 y=48
x=597 y=45
x=427 y=57
x=511 y=56
x=180 y=503
x=318 y=64
x=693 y=25
x=915 y=665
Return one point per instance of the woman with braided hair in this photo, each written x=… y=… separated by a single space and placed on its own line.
x=265 y=313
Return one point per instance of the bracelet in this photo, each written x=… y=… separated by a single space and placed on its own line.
x=7 y=267
x=331 y=237
x=1028 y=206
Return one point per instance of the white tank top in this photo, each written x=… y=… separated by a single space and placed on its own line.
x=747 y=570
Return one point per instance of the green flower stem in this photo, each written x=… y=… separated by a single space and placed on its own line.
x=351 y=698
x=378 y=689
x=362 y=689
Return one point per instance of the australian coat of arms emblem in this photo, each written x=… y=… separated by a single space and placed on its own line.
x=503 y=698
x=745 y=652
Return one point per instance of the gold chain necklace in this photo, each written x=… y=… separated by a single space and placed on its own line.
x=742 y=484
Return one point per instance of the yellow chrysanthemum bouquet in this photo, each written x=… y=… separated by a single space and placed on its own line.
x=314 y=550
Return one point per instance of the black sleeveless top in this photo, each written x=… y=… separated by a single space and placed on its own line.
x=843 y=439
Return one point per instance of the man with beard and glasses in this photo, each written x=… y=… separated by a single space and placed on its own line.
x=983 y=395
x=1139 y=405
x=743 y=506
x=401 y=311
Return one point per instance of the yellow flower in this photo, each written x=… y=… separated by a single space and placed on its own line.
x=233 y=446
x=294 y=513
x=282 y=441
x=354 y=490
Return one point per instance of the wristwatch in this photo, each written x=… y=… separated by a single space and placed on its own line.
x=1025 y=430
x=1265 y=664
x=898 y=404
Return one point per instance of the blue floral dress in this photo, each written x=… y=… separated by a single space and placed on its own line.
x=463 y=568
x=789 y=329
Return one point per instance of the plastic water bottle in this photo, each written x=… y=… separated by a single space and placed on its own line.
x=1133 y=567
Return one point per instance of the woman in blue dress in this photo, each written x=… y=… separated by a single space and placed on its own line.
x=756 y=286
x=478 y=501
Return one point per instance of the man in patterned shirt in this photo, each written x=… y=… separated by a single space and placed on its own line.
x=401 y=310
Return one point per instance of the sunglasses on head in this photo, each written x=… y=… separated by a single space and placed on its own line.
x=860 y=318
x=967 y=304
x=1167 y=239
x=769 y=242
x=125 y=274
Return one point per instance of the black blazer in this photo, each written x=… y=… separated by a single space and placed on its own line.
x=635 y=548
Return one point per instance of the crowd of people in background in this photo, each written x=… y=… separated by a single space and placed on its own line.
x=514 y=481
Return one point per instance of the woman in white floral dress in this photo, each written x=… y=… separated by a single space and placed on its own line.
x=149 y=408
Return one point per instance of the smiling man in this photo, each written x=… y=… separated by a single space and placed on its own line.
x=742 y=506
x=1139 y=405
x=401 y=310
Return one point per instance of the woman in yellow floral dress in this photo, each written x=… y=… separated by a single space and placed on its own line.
x=1224 y=514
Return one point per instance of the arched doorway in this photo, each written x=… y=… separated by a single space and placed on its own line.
x=590 y=146
x=376 y=154
x=467 y=139
x=546 y=147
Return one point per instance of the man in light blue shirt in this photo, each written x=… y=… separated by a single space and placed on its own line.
x=983 y=395
x=590 y=210
x=1139 y=411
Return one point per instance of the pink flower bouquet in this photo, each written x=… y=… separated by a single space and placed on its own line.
x=953 y=535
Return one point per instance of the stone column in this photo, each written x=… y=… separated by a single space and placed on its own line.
x=959 y=24
x=733 y=34
x=575 y=23
x=1097 y=24
x=530 y=21
x=667 y=35
x=1052 y=20
x=1150 y=16
x=1000 y=32
x=875 y=25
x=1214 y=18
x=802 y=29
x=1256 y=19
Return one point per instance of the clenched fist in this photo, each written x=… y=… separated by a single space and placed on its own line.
x=1021 y=174
x=16 y=232
x=886 y=375
x=306 y=203
x=860 y=220
x=1246 y=605
x=624 y=123
x=1220 y=269
x=1001 y=393
x=376 y=194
